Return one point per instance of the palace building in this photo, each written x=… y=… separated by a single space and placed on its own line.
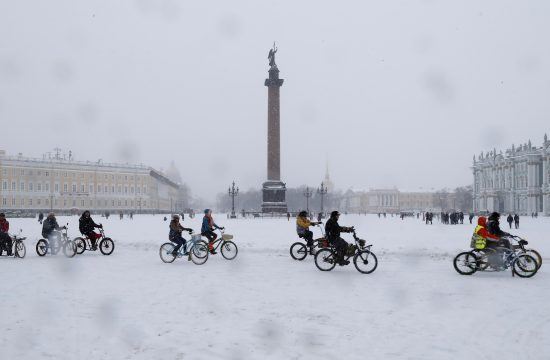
x=516 y=181
x=62 y=184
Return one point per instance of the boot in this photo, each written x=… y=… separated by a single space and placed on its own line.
x=211 y=249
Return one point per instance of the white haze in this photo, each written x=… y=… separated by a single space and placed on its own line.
x=392 y=93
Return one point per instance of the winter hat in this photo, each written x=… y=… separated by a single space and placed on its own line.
x=206 y=211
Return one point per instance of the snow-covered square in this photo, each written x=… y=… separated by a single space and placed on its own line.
x=264 y=305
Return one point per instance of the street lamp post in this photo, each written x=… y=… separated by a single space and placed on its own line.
x=322 y=191
x=232 y=191
x=308 y=193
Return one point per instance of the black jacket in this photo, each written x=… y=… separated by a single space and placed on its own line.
x=333 y=229
x=48 y=226
x=86 y=225
x=510 y=218
x=493 y=226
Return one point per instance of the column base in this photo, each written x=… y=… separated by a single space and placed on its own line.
x=274 y=197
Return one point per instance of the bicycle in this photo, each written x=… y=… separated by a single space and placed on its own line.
x=196 y=249
x=299 y=250
x=228 y=249
x=363 y=258
x=499 y=259
x=521 y=247
x=68 y=246
x=18 y=247
x=106 y=244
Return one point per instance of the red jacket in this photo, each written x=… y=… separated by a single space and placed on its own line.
x=482 y=222
x=4 y=225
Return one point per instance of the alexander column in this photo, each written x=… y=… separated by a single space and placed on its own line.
x=274 y=190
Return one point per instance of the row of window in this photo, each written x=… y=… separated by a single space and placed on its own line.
x=23 y=172
x=119 y=189
x=72 y=203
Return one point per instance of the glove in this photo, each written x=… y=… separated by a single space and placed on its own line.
x=222 y=228
x=64 y=228
x=190 y=231
x=100 y=226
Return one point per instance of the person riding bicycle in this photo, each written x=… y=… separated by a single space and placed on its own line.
x=302 y=227
x=333 y=230
x=50 y=228
x=207 y=229
x=175 y=233
x=86 y=226
x=482 y=238
x=493 y=226
x=5 y=238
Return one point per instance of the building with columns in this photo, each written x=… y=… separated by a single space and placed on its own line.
x=516 y=181
x=62 y=184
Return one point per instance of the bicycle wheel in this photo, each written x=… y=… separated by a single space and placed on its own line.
x=166 y=252
x=229 y=250
x=325 y=260
x=525 y=266
x=365 y=261
x=298 y=251
x=69 y=249
x=80 y=245
x=536 y=255
x=107 y=246
x=199 y=253
x=465 y=263
x=42 y=247
x=20 y=249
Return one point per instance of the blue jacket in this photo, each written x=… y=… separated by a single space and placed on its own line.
x=206 y=226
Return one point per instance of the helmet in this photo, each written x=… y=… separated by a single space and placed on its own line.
x=334 y=214
x=302 y=213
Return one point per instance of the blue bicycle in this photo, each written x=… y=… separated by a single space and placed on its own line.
x=195 y=249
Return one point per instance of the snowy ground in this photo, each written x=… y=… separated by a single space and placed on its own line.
x=262 y=305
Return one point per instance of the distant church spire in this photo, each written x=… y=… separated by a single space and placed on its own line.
x=328 y=183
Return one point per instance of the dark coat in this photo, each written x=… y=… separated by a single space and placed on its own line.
x=333 y=229
x=493 y=226
x=86 y=225
x=48 y=226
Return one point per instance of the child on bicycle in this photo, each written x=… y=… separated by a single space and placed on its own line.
x=207 y=229
x=302 y=227
x=175 y=234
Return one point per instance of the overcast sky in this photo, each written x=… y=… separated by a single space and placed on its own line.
x=392 y=93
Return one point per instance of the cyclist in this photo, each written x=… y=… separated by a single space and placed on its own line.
x=481 y=235
x=86 y=226
x=302 y=227
x=333 y=230
x=493 y=226
x=5 y=238
x=50 y=229
x=207 y=229
x=175 y=234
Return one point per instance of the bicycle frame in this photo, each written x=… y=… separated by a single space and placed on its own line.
x=219 y=241
x=189 y=244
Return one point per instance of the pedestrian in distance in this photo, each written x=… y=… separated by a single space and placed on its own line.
x=516 y=221
x=510 y=220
